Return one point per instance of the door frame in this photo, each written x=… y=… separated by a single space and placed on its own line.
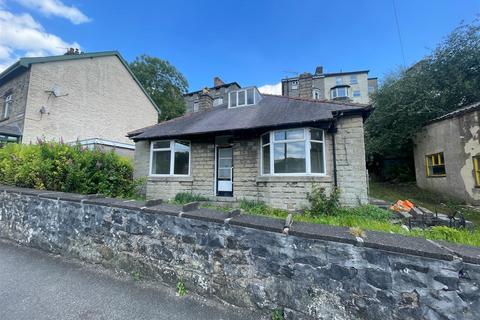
x=216 y=192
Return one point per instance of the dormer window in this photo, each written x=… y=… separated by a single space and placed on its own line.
x=243 y=97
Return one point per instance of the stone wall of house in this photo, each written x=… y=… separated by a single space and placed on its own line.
x=313 y=272
x=18 y=87
x=98 y=98
x=282 y=192
x=458 y=139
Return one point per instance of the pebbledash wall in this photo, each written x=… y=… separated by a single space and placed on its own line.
x=288 y=192
x=313 y=272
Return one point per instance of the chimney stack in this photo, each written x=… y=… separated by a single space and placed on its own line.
x=205 y=100
x=217 y=82
x=319 y=70
x=305 y=85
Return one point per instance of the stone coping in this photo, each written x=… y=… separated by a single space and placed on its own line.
x=376 y=240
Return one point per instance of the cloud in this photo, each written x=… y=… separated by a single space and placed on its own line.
x=271 y=88
x=56 y=8
x=20 y=34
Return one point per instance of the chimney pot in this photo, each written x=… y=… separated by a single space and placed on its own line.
x=319 y=70
x=217 y=82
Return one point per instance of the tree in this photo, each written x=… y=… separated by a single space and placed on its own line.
x=164 y=83
x=444 y=81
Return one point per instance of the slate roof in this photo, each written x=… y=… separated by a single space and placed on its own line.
x=272 y=111
x=25 y=63
x=10 y=131
x=470 y=108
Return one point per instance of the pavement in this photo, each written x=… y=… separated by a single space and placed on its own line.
x=35 y=285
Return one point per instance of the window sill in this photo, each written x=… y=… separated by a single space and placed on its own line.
x=442 y=176
x=170 y=178
x=280 y=179
x=4 y=119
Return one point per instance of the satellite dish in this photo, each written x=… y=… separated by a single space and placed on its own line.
x=56 y=90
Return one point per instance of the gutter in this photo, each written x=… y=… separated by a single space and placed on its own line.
x=333 y=131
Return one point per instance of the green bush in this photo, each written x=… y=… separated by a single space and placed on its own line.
x=323 y=204
x=187 y=197
x=62 y=167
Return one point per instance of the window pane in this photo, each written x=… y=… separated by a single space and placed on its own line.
x=353 y=79
x=280 y=135
x=266 y=138
x=225 y=153
x=161 y=162
x=250 y=93
x=356 y=93
x=233 y=99
x=342 y=92
x=224 y=173
x=225 y=163
x=339 y=81
x=182 y=145
x=217 y=102
x=334 y=93
x=295 y=134
x=289 y=157
x=241 y=98
x=316 y=157
x=266 y=159
x=181 y=162
x=316 y=134
x=438 y=170
x=161 y=144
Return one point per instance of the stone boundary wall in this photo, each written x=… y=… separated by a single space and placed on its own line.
x=313 y=272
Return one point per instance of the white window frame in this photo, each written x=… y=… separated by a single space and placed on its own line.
x=315 y=93
x=294 y=84
x=171 y=148
x=217 y=101
x=307 y=139
x=196 y=106
x=246 y=98
x=6 y=105
x=335 y=90
x=353 y=79
x=338 y=81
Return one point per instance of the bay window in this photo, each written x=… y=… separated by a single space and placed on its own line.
x=293 y=152
x=170 y=157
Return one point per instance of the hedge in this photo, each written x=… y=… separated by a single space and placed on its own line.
x=68 y=168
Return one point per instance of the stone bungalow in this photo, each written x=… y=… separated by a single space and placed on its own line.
x=447 y=155
x=257 y=147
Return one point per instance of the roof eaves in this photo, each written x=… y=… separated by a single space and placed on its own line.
x=456 y=113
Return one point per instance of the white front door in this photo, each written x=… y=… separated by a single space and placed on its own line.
x=225 y=171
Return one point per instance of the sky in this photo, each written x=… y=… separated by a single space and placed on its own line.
x=255 y=42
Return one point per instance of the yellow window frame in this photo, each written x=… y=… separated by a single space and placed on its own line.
x=476 y=169
x=436 y=160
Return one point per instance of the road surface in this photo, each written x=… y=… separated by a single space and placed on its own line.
x=38 y=286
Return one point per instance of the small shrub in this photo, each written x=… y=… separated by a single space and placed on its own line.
x=181 y=288
x=278 y=315
x=187 y=197
x=357 y=232
x=136 y=275
x=323 y=204
x=260 y=208
x=68 y=168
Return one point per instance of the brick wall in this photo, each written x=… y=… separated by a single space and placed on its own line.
x=284 y=192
